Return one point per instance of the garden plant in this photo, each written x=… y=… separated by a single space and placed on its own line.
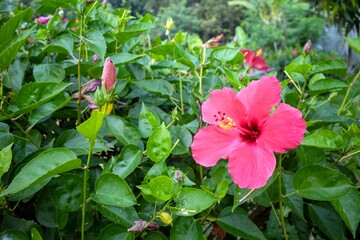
x=107 y=132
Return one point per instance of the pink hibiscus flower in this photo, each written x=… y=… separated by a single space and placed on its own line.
x=246 y=128
x=253 y=60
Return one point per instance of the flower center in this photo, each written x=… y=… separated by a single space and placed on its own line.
x=224 y=121
x=249 y=133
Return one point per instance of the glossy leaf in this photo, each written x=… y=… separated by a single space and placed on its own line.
x=48 y=163
x=13 y=234
x=62 y=44
x=193 y=200
x=326 y=85
x=348 y=208
x=158 y=87
x=123 y=216
x=6 y=138
x=186 y=228
x=35 y=235
x=183 y=138
x=320 y=183
x=237 y=223
x=226 y=54
x=5 y=160
x=125 y=132
x=325 y=139
x=325 y=217
x=294 y=202
x=161 y=187
x=47 y=214
x=335 y=67
x=90 y=128
x=127 y=161
x=159 y=144
x=48 y=72
x=354 y=43
x=148 y=121
x=96 y=42
x=111 y=189
x=115 y=232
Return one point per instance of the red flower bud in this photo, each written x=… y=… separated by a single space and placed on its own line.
x=108 y=77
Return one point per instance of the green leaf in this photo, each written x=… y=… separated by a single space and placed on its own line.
x=348 y=207
x=29 y=191
x=32 y=95
x=66 y=191
x=148 y=121
x=158 y=87
x=111 y=189
x=294 y=202
x=123 y=216
x=5 y=160
x=325 y=139
x=354 y=43
x=227 y=54
x=320 y=183
x=7 y=30
x=49 y=163
x=48 y=108
x=127 y=133
x=13 y=234
x=17 y=72
x=9 y=50
x=329 y=222
x=310 y=155
x=335 y=67
x=186 y=228
x=47 y=214
x=96 y=42
x=133 y=30
x=184 y=138
x=161 y=187
x=90 y=128
x=192 y=201
x=35 y=235
x=237 y=223
x=127 y=161
x=49 y=72
x=62 y=44
x=115 y=232
x=6 y=138
x=326 y=85
x=159 y=144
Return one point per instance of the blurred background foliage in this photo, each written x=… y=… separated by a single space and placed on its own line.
x=279 y=27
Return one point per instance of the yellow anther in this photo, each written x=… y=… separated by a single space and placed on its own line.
x=227 y=123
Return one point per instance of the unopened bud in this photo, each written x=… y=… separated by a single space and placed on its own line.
x=108 y=77
x=138 y=226
x=307 y=47
x=179 y=176
x=169 y=24
x=165 y=218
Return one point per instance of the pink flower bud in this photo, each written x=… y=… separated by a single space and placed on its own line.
x=108 y=77
x=42 y=20
x=307 y=47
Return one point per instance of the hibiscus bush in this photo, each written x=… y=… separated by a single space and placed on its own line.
x=107 y=133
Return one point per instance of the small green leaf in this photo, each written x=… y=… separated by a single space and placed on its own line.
x=96 y=42
x=237 y=223
x=184 y=138
x=161 y=187
x=124 y=216
x=326 y=85
x=159 y=144
x=354 y=43
x=148 y=121
x=35 y=235
x=6 y=138
x=320 y=183
x=186 y=228
x=348 y=207
x=335 y=67
x=90 y=128
x=158 y=87
x=47 y=214
x=227 y=54
x=48 y=163
x=325 y=217
x=5 y=160
x=127 y=161
x=49 y=72
x=62 y=44
x=127 y=133
x=111 y=189
x=325 y=139
x=115 y=232
x=193 y=201
x=133 y=30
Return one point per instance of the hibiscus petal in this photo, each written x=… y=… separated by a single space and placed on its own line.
x=212 y=143
x=283 y=130
x=248 y=56
x=260 y=64
x=259 y=97
x=251 y=166
x=223 y=101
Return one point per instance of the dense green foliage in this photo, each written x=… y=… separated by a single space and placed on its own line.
x=70 y=172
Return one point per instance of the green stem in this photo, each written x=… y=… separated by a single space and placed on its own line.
x=201 y=71
x=181 y=92
x=86 y=175
x=280 y=201
x=346 y=156
x=347 y=94
x=28 y=137
x=79 y=73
